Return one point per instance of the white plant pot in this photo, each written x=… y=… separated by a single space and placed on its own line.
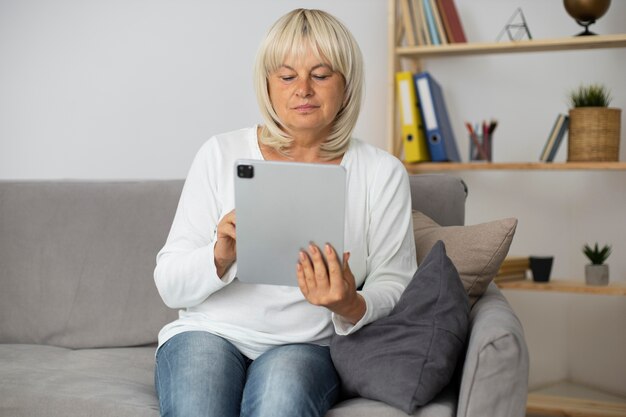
x=597 y=274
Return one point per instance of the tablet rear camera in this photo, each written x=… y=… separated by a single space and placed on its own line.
x=245 y=171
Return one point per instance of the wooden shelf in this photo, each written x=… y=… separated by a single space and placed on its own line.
x=534 y=45
x=574 y=400
x=565 y=286
x=416 y=168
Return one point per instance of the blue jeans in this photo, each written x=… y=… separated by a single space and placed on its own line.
x=200 y=374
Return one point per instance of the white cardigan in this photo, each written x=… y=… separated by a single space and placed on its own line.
x=378 y=235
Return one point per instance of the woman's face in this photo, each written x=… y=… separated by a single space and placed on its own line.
x=306 y=95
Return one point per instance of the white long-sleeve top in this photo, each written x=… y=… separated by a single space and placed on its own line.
x=378 y=235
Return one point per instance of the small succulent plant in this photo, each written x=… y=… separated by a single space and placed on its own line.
x=597 y=255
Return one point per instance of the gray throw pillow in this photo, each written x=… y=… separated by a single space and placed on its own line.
x=406 y=358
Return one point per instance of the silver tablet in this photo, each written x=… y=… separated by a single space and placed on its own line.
x=281 y=207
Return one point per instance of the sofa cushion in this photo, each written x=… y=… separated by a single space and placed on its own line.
x=443 y=405
x=477 y=251
x=78 y=259
x=406 y=358
x=52 y=381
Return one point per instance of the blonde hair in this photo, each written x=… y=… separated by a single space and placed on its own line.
x=334 y=45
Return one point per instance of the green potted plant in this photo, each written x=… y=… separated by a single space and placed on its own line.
x=594 y=127
x=597 y=272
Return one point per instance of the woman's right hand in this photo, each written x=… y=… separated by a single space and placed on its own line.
x=225 y=252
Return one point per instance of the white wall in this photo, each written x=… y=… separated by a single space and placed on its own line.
x=130 y=89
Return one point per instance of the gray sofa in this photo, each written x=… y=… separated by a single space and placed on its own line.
x=79 y=312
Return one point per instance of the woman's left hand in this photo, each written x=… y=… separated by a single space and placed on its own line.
x=333 y=287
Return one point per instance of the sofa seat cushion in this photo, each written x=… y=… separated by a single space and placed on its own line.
x=51 y=381
x=443 y=405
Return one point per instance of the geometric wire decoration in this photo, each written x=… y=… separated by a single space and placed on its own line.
x=515 y=30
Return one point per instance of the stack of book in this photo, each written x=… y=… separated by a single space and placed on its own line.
x=513 y=268
x=559 y=129
x=431 y=22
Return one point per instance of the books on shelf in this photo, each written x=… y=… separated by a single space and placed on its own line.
x=431 y=22
x=513 y=268
x=441 y=31
x=421 y=27
x=559 y=129
x=429 y=11
x=421 y=24
x=514 y=276
x=516 y=261
x=451 y=21
x=408 y=22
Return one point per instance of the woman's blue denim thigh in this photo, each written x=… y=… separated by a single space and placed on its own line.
x=291 y=380
x=199 y=374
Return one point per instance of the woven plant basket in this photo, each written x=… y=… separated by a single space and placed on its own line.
x=594 y=134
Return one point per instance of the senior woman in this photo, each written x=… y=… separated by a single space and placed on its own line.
x=262 y=350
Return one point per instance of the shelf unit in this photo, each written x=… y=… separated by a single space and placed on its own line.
x=417 y=168
x=575 y=400
x=565 y=398
x=564 y=286
x=417 y=53
x=536 y=45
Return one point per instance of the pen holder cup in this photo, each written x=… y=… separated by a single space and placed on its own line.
x=482 y=154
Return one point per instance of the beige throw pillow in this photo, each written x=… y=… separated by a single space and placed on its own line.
x=476 y=251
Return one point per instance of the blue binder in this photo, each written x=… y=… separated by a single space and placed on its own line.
x=441 y=141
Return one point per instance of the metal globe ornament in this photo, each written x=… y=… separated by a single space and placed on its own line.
x=586 y=12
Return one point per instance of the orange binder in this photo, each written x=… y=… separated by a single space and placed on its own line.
x=413 y=134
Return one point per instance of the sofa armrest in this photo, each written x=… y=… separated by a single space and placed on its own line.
x=495 y=372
